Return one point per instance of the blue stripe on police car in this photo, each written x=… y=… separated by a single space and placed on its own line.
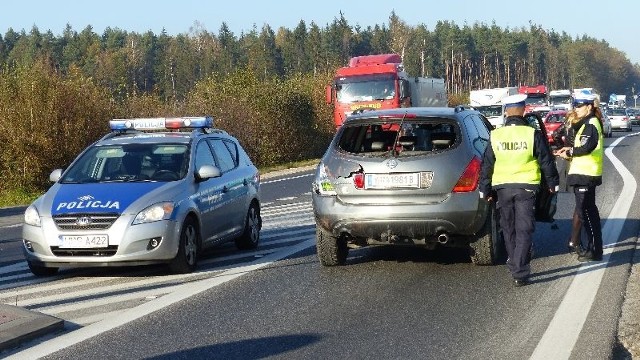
x=98 y=198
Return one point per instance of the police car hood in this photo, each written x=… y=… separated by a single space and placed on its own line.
x=111 y=198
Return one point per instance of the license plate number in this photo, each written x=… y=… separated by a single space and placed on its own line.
x=84 y=241
x=392 y=181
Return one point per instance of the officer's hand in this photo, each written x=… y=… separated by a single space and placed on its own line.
x=489 y=198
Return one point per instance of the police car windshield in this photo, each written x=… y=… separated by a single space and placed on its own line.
x=129 y=163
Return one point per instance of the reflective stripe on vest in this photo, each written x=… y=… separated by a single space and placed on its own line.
x=515 y=163
x=590 y=164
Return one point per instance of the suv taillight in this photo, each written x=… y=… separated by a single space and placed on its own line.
x=358 y=180
x=469 y=179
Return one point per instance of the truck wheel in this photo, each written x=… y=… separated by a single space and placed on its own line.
x=331 y=250
x=186 y=258
x=38 y=270
x=488 y=246
x=252 y=225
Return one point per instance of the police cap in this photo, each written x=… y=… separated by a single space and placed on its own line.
x=514 y=100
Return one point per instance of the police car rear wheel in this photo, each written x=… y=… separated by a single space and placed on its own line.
x=186 y=259
x=251 y=235
x=41 y=270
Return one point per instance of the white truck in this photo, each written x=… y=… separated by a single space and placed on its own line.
x=489 y=102
x=560 y=99
x=617 y=101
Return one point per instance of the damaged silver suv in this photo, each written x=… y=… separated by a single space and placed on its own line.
x=405 y=176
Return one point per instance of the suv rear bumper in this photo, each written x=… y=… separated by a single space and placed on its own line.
x=459 y=215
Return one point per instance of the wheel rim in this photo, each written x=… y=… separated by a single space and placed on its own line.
x=190 y=246
x=254 y=225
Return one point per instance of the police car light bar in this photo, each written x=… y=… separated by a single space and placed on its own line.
x=199 y=122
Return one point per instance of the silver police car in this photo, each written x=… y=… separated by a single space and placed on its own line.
x=148 y=192
x=405 y=176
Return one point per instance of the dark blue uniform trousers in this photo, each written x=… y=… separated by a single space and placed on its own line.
x=589 y=216
x=517 y=220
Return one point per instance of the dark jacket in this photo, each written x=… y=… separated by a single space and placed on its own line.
x=541 y=152
x=589 y=141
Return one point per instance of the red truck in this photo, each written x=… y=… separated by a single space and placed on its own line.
x=537 y=99
x=380 y=82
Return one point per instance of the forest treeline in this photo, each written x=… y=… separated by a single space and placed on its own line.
x=264 y=86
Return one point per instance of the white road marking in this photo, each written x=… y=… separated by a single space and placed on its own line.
x=284 y=179
x=187 y=290
x=564 y=329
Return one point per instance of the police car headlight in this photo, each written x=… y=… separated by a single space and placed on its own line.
x=31 y=216
x=157 y=212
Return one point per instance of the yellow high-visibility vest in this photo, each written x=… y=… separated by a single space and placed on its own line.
x=590 y=164
x=515 y=161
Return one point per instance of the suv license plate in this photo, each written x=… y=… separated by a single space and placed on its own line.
x=392 y=181
x=84 y=241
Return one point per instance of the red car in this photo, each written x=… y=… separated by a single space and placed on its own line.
x=554 y=124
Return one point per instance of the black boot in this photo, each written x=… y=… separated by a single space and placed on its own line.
x=574 y=243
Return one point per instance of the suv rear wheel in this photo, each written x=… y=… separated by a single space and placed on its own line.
x=489 y=246
x=332 y=250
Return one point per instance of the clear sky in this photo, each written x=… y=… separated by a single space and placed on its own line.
x=617 y=23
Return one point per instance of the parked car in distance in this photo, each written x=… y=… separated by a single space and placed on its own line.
x=607 y=129
x=634 y=115
x=619 y=118
x=554 y=123
x=146 y=193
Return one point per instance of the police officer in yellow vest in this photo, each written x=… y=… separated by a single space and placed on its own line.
x=514 y=162
x=585 y=173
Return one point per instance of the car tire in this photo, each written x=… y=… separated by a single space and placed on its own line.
x=331 y=250
x=187 y=257
x=252 y=225
x=38 y=270
x=488 y=247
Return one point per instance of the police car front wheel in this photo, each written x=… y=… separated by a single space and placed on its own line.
x=186 y=258
x=38 y=270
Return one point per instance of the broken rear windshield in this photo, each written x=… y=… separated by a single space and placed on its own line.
x=413 y=138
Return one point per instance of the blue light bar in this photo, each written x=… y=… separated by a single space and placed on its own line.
x=197 y=122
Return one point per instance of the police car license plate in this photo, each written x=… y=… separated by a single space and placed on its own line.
x=84 y=241
x=392 y=181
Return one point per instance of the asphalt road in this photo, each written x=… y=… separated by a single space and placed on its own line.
x=387 y=302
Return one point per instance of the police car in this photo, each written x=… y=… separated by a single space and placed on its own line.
x=153 y=190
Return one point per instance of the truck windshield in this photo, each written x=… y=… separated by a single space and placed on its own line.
x=560 y=100
x=365 y=89
x=490 y=111
x=537 y=100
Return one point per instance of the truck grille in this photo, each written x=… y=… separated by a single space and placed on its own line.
x=85 y=221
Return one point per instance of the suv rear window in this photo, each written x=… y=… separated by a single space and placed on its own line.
x=415 y=137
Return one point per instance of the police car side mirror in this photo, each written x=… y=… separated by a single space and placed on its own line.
x=206 y=172
x=55 y=175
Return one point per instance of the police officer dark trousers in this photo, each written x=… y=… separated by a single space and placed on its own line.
x=514 y=161
x=517 y=221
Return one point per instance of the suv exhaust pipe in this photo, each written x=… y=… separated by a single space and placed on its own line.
x=443 y=238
